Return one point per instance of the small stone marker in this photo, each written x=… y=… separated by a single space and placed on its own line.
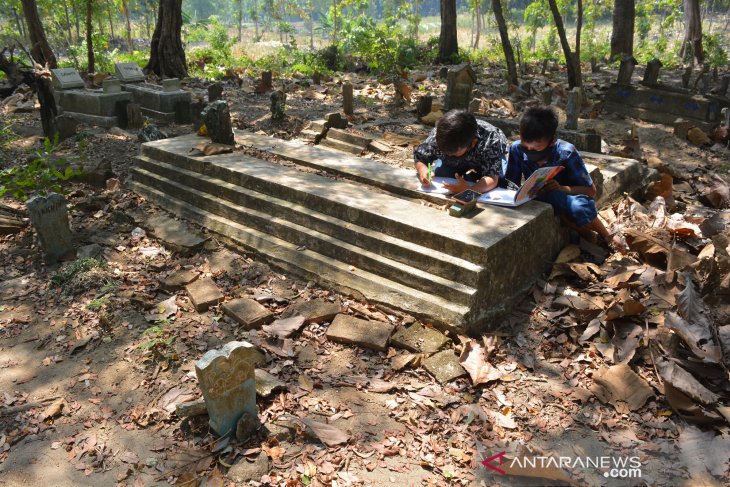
x=50 y=221
x=418 y=338
x=171 y=84
x=444 y=366
x=66 y=79
x=317 y=78
x=129 y=72
x=347 y=98
x=217 y=118
x=111 y=86
x=572 y=109
x=314 y=311
x=178 y=280
x=546 y=96
x=204 y=294
x=226 y=377
x=626 y=70
x=423 y=106
x=686 y=76
x=266 y=83
x=459 y=84
x=651 y=75
x=336 y=120
x=373 y=335
x=278 y=106
x=191 y=408
x=248 y=312
x=215 y=92
x=267 y=383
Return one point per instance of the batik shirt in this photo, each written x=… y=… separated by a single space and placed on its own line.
x=563 y=154
x=485 y=157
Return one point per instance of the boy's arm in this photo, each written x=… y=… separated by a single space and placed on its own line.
x=424 y=154
x=514 y=172
x=579 y=181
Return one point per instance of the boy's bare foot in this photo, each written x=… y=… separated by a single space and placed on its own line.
x=617 y=242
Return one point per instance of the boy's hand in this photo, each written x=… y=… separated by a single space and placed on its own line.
x=552 y=185
x=423 y=175
x=459 y=186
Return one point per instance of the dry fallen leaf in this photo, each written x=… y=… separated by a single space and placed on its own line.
x=284 y=327
x=326 y=433
x=684 y=381
x=621 y=387
x=474 y=361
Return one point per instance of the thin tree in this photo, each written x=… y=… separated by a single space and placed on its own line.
x=40 y=50
x=89 y=38
x=239 y=12
x=509 y=55
x=622 y=36
x=693 y=31
x=448 y=42
x=167 y=56
x=578 y=28
x=574 y=77
x=125 y=10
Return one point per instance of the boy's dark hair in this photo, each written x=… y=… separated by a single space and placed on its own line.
x=455 y=130
x=538 y=123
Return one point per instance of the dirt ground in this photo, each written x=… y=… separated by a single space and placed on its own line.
x=89 y=390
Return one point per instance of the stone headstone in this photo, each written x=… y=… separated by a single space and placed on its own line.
x=459 y=84
x=686 y=76
x=572 y=109
x=217 y=118
x=266 y=81
x=651 y=75
x=111 y=86
x=423 y=106
x=226 y=377
x=215 y=92
x=347 y=98
x=150 y=133
x=626 y=70
x=50 y=221
x=336 y=120
x=724 y=84
x=546 y=96
x=129 y=72
x=316 y=78
x=704 y=83
x=196 y=114
x=171 y=84
x=66 y=79
x=278 y=106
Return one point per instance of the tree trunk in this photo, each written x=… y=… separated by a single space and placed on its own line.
x=89 y=40
x=693 y=30
x=69 y=30
x=448 y=42
x=578 y=28
x=18 y=23
x=255 y=17
x=240 y=20
x=509 y=55
x=477 y=8
x=125 y=8
x=40 y=50
x=76 y=20
x=622 y=36
x=574 y=78
x=334 y=22
x=167 y=56
x=416 y=18
x=111 y=20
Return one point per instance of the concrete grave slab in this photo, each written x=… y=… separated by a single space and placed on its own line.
x=418 y=338
x=204 y=294
x=444 y=366
x=347 y=329
x=178 y=280
x=66 y=79
x=248 y=313
x=129 y=72
x=314 y=311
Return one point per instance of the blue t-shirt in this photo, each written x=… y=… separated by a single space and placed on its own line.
x=563 y=154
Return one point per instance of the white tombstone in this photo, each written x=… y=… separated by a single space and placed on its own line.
x=66 y=79
x=129 y=72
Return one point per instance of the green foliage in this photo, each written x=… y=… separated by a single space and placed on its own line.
x=76 y=267
x=715 y=53
x=96 y=304
x=159 y=341
x=42 y=175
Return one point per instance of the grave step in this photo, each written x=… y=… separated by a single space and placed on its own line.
x=351 y=203
x=301 y=236
x=340 y=145
x=311 y=265
x=342 y=135
x=425 y=259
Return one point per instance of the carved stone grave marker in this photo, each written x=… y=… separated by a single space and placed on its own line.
x=50 y=221
x=129 y=72
x=215 y=92
x=572 y=109
x=459 y=84
x=226 y=377
x=651 y=75
x=626 y=70
x=278 y=105
x=217 y=118
x=66 y=79
x=347 y=98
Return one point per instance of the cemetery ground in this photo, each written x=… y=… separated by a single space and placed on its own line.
x=97 y=359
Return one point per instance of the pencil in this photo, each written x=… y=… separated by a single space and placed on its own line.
x=429 y=173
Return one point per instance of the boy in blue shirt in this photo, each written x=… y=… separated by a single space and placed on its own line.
x=571 y=192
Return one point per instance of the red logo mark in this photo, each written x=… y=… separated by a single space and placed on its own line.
x=488 y=463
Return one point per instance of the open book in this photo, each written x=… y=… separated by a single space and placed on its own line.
x=526 y=192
